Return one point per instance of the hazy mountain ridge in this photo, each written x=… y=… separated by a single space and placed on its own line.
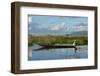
x=79 y=33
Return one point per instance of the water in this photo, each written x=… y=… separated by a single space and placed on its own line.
x=35 y=53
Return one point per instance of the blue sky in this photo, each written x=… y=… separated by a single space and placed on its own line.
x=39 y=24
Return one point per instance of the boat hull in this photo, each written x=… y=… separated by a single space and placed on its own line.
x=55 y=47
x=59 y=46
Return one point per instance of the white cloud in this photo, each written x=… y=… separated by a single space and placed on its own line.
x=30 y=19
x=58 y=26
x=55 y=27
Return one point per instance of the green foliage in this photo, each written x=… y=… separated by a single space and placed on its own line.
x=57 y=40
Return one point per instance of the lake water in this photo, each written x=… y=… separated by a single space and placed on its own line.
x=35 y=53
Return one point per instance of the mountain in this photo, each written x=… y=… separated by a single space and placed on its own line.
x=79 y=33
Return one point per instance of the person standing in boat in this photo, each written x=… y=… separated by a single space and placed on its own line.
x=74 y=43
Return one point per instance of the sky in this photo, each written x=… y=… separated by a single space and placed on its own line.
x=60 y=25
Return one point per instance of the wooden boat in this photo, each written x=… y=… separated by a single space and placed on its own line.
x=55 y=46
x=59 y=45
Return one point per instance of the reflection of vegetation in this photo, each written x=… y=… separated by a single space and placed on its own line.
x=57 y=40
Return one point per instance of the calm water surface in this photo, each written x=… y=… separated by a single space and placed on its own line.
x=34 y=53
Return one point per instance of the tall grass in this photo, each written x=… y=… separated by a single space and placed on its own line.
x=57 y=40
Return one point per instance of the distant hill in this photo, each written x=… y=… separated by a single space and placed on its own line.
x=79 y=33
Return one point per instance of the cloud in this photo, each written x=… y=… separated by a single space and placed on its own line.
x=58 y=26
x=30 y=20
x=55 y=27
x=60 y=29
x=63 y=27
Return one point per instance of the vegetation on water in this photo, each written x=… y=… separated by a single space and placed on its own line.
x=83 y=40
